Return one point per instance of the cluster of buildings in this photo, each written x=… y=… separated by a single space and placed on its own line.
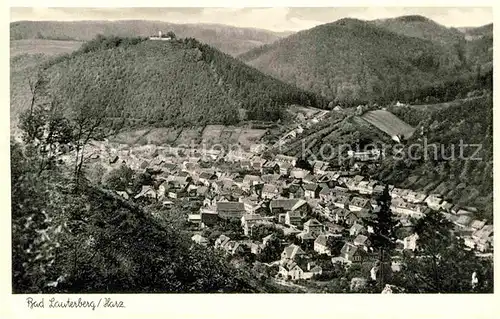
x=313 y=207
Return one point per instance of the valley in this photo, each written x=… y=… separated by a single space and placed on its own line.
x=212 y=158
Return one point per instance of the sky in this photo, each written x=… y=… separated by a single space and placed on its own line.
x=275 y=18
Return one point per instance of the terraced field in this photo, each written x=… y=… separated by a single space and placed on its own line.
x=209 y=135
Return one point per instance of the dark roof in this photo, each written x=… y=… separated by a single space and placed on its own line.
x=206 y=175
x=311 y=186
x=285 y=204
x=313 y=222
x=349 y=249
x=360 y=239
x=230 y=206
x=321 y=240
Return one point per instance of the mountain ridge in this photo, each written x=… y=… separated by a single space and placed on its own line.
x=352 y=57
x=229 y=39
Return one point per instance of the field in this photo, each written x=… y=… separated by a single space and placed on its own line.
x=25 y=55
x=47 y=47
x=388 y=123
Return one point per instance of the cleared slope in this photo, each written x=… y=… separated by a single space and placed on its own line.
x=231 y=40
x=388 y=123
x=48 y=47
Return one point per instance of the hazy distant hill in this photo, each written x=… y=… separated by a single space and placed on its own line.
x=475 y=32
x=473 y=45
x=169 y=83
x=421 y=27
x=355 y=60
x=228 y=39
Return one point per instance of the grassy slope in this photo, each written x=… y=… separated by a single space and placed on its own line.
x=48 y=47
x=228 y=39
x=388 y=123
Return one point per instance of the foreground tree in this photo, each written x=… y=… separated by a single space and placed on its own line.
x=383 y=236
x=442 y=263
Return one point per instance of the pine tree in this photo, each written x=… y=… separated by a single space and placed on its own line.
x=442 y=263
x=382 y=236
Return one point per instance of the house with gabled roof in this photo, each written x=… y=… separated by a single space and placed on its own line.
x=248 y=221
x=362 y=241
x=339 y=214
x=298 y=173
x=206 y=178
x=416 y=197
x=357 y=229
x=285 y=168
x=463 y=221
x=321 y=245
x=399 y=206
x=358 y=203
x=353 y=182
x=293 y=218
x=147 y=191
x=483 y=238
x=314 y=227
x=292 y=252
x=352 y=253
x=291 y=270
x=477 y=224
x=305 y=237
x=341 y=201
x=326 y=194
x=278 y=206
x=230 y=210
x=434 y=201
x=245 y=164
x=270 y=191
x=295 y=190
x=311 y=190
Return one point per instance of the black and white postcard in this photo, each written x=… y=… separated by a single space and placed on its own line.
x=330 y=151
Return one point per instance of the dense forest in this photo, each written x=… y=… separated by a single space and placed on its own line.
x=356 y=62
x=167 y=83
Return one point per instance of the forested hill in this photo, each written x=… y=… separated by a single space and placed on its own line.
x=423 y=28
x=228 y=39
x=356 y=61
x=167 y=83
